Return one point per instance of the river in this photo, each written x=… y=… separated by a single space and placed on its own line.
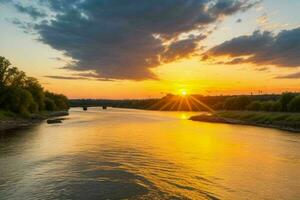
x=136 y=154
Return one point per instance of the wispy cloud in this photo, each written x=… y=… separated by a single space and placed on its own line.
x=238 y=20
x=78 y=78
x=290 y=76
x=263 y=19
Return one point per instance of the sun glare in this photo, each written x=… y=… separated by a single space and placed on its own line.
x=183 y=92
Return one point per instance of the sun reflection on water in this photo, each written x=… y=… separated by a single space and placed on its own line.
x=150 y=155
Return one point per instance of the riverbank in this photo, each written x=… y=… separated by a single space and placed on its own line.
x=278 y=120
x=10 y=121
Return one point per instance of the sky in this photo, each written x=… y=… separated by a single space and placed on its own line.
x=120 y=49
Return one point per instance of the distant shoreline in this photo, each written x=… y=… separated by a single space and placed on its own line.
x=19 y=122
x=281 y=121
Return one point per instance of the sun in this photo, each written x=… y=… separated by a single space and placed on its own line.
x=183 y=93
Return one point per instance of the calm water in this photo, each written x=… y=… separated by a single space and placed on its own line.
x=134 y=154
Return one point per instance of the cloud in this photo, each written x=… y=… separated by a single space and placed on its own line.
x=290 y=76
x=125 y=39
x=30 y=10
x=66 y=77
x=263 y=19
x=238 y=20
x=78 y=77
x=262 y=69
x=262 y=48
x=181 y=49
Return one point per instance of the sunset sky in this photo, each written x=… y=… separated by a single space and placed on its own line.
x=139 y=49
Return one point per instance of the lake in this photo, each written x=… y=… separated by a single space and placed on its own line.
x=136 y=154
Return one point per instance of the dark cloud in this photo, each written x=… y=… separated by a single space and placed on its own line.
x=30 y=10
x=66 y=77
x=228 y=7
x=238 y=21
x=290 y=76
x=25 y=26
x=79 y=77
x=125 y=39
x=262 y=48
x=234 y=61
x=262 y=69
x=181 y=48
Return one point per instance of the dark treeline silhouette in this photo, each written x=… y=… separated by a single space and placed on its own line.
x=286 y=102
x=24 y=95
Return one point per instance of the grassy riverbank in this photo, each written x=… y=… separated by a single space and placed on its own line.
x=279 y=120
x=6 y=115
x=9 y=120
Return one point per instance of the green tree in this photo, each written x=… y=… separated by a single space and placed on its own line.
x=254 y=106
x=276 y=106
x=37 y=92
x=18 y=100
x=236 y=103
x=294 y=104
x=4 y=67
x=9 y=75
x=24 y=95
x=61 y=101
x=267 y=105
x=49 y=104
x=285 y=100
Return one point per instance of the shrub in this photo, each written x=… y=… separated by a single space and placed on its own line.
x=294 y=104
x=276 y=106
x=254 y=106
x=285 y=100
x=18 y=100
x=49 y=104
x=236 y=103
x=267 y=105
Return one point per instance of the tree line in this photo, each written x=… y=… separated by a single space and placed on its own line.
x=286 y=102
x=24 y=95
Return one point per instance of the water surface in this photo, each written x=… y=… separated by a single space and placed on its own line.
x=135 y=154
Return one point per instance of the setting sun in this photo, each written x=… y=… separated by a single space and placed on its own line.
x=139 y=99
x=183 y=93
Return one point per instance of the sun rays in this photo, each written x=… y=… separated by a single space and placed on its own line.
x=181 y=102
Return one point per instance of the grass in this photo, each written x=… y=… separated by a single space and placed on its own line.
x=290 y=120
x=6 y=115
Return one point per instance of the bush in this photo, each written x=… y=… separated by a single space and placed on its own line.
x=294 y=104
x=60 y=101
x=268 y=105
x=254 y=106
x=33 y=108
x=236 y=103
x=18 y=100
x=36 y=90
x=218 y=106
x=276 y=107
x=285 y=100
x=49 y=104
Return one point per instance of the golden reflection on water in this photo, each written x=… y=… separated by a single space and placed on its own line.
x=184 y=116
x=161 y=155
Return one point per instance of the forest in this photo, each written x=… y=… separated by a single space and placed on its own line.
x=23 y=95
